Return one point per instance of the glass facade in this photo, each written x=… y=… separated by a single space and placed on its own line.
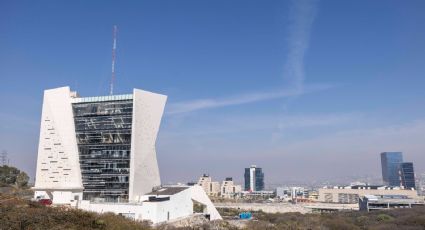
x=390 y=163
x=103 y=130
x=407 y=175
x=258 y=180
x=246 y=177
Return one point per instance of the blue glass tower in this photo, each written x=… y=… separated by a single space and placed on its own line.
x=390 y=163
x=407 y=175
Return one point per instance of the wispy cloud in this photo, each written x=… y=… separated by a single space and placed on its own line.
x=209 y=103
x=301 y=17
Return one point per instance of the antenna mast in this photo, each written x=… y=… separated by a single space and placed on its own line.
x=114 y=47
x=3 y=158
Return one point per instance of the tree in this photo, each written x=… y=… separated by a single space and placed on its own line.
x=22 y=179
x=8 y=174
x=12 y=176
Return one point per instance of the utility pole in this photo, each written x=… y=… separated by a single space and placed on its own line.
x=114 y=47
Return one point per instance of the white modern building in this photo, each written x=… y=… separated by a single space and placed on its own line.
x=98 y=148
x=98 y=153
x=161 y=205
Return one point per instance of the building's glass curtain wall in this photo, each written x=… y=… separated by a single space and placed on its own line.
x=407 y=175
x=103 y=130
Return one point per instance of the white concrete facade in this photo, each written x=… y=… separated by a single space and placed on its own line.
x=147 y=113
x=252 y=178
x=58 y=174
x=58 y=168
x=178 y=205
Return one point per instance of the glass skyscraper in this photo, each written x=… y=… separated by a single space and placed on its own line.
x=407 y=175
x=390 y=163
x=254 y=179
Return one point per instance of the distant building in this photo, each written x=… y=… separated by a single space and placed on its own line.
x=258 y=194
x=395 y=172
x=421 y=184
x=229 y=189
x=351 y=194
x=390 y=163
x=254 y=179
x=282 y=192
x=407 y=175
x=212 y=188
x=373 y=202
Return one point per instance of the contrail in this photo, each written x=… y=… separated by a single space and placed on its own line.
x=210 y=103
x=301 y=17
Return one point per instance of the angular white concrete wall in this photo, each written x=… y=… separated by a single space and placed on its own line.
x=58 y=166
x=179 y=206
x=147 y=113
x=198 y=194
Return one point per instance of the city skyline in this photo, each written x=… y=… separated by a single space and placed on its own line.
x=307 y=90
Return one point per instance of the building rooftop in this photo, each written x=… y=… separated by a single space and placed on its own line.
x=167 y=191
x=367 y=187
x=102 y=98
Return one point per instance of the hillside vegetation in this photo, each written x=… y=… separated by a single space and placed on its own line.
x=17 y=213
x=383 y=220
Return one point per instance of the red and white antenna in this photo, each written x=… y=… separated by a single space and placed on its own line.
x=114 y=47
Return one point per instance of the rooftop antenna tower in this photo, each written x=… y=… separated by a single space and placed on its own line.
x=114 y=48
x=3 y=158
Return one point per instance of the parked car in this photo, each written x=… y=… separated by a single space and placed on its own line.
x=45 y=201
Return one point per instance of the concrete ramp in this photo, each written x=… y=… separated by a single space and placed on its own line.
x=198 y=194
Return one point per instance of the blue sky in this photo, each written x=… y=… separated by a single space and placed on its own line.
x=308 y=90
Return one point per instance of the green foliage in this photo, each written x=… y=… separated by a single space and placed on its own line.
x=12 y=176
x=384 y=217
x=22 y=179
x=8 y=175
x=198 y=208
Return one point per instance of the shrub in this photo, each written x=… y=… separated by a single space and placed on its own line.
x=384 y=217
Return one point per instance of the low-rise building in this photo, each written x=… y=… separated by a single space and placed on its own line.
x=162 y=205
x=212 y=188
x=372 y=202
x=351 y=194
x=229 y=189
x=282 y=192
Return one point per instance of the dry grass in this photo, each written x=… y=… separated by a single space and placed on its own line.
x=21 y=214
x=389 y=219
x=16 y=213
